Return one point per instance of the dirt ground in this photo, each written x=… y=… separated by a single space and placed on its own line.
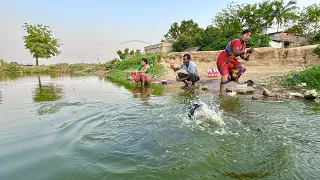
x=263 y=63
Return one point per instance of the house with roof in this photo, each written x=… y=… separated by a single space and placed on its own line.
x=284 y=39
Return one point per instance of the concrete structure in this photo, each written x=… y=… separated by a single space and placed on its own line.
x=284 y=39
x=164 y=47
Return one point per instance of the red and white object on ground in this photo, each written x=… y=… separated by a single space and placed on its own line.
x=214 y=72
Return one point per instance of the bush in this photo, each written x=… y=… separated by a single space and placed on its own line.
x=119 y=68
x=317 y=50
x=311 y=76
x=257 y=41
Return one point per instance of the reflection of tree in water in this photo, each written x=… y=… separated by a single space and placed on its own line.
x=0 y=97
x=47 y=92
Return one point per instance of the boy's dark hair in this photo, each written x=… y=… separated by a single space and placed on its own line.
x=246 y=31
x=187 y=56
x=145 y=60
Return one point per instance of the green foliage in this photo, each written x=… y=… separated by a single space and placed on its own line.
x=47 y=92
x=317 y=50
x=111 y=64
x=257 y=41
x=310 y=76
x=138 y=52
x=310 y=19
x=79 y=69
x=284 y=12
x=40 y=42
x=218 y=44
x=119 y=69
x=295 y=30
x=187 y=34
x=128 y=53
x=315 y=39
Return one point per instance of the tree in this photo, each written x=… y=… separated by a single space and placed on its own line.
x=295 y=30
x=255 y=17
x=187 y=27
x=40 y=42
x=187 y=34
x=131 y=53
x=283 y=13
x=138 y=52
x=120 y=54
x=310 y=19
x=126 y=53
x=228 y=21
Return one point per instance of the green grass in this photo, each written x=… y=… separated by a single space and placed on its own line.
x=311 y=76
x=76 y=69
x=119 y=69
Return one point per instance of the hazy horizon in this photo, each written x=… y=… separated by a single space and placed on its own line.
x=88 y=28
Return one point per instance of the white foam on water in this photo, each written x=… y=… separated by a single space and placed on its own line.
x=206 y=118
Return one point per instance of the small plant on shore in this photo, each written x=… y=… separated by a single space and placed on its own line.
x=310 y=76
x=118 y=69
x=317 y=50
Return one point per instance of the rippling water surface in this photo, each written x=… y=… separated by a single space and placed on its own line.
x=91 y=128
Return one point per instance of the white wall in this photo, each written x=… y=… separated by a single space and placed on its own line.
x=275 y=44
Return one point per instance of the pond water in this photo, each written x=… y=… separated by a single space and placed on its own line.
x=92 y=128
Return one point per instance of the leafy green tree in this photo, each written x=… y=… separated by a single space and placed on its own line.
x=258 y=40
x=310 y=19
x=138 y=52
x=295 y=30
x=228 y=21
x=120 y=54
x=40 y=41
x=283 y=12
x=131 y=53
x=126 y=53
x=256 y=17
x=187 y=34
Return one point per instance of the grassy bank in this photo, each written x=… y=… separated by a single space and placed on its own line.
x=11 y=69
x=310 y=76
x=119 y=69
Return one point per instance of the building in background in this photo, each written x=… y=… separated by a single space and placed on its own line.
x=163 y=47
x=283 y=39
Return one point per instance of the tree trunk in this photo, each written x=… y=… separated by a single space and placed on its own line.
x=37 y=62
x=278 y=27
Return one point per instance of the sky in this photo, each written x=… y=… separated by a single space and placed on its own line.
x=88 y=28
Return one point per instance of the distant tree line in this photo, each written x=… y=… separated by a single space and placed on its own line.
x=128 y=53
x=258 y=17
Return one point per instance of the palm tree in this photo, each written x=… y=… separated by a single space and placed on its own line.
x=282 y=12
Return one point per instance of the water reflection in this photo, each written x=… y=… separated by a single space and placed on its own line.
x=0 y=97
x=142 y=92
x=11 y=77
x=47 y=92
x=186 y=96
x=156 y=90
x=229 y=103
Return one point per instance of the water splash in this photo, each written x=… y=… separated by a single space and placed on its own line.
x=205 y=117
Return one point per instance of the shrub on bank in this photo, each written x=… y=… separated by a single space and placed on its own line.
x=311 y=76
x=119 y=69
x=317 y=50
